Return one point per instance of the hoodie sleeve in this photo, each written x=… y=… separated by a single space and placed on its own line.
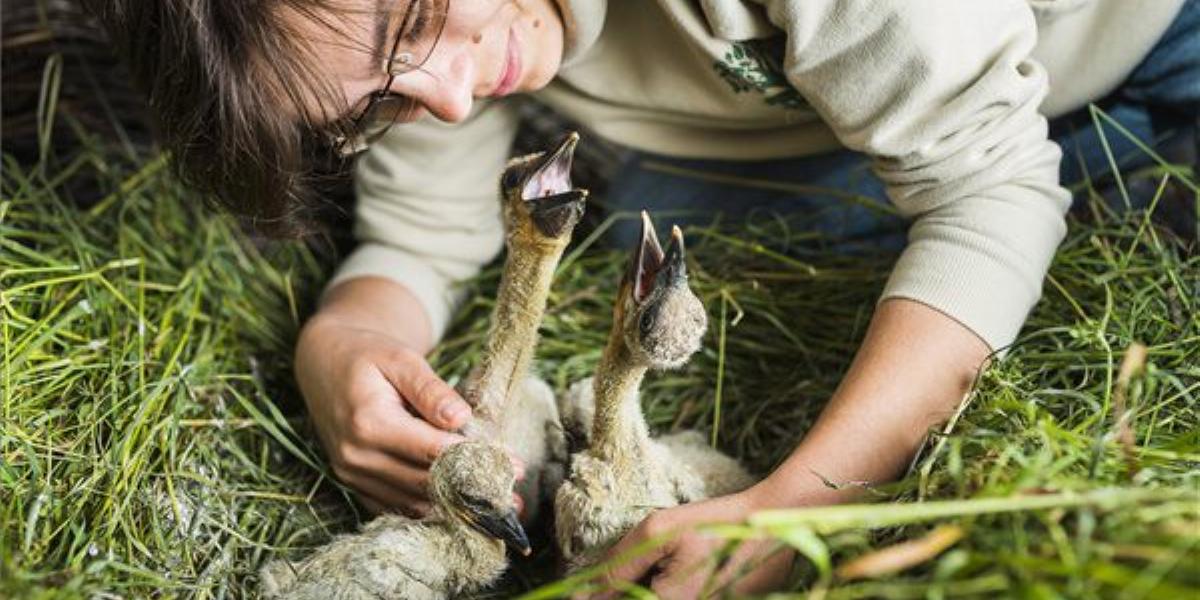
x=428 y=214
x=943 y=96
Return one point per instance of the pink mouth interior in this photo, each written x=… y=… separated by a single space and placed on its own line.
x=650 y=259
x=554 y=178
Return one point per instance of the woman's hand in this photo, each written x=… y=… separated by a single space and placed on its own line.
x=381 y=412
x=687 y=565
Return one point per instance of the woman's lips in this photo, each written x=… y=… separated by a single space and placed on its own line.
x=512 y=68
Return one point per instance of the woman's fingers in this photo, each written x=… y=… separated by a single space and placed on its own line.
x=364 y=456
x=409 y=479
x=434 y=400
x=381 y=496
x=376 y=507
x=406 y=437
x=381 y=412
x=632 y=565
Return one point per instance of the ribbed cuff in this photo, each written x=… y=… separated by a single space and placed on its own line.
x=958 y=267
x=992 y=305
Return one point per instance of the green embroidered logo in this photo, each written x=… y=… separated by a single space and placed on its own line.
x=755 y=66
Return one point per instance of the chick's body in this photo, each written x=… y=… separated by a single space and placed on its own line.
x=393 y=557
x=623 y=474
x=602 y=500
x=458 y=548
x=532 y=430
x=719 y=473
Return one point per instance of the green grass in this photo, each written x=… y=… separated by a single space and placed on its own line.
x=139 y=450
x=151 y=443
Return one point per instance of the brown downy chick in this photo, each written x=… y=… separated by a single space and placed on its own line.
x=658 y=322
x=444 y=555
x=720 y=473
x=458 y=548
x=511 y=405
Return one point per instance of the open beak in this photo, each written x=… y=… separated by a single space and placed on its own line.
x=506 y=528
x=674 y=268
x=561 y=157
x=555 y=205
x=647 y=260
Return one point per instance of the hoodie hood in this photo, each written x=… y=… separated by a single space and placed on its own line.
x=582 y=22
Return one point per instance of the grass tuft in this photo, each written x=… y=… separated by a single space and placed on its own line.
x=150 y=443
x=139 y=451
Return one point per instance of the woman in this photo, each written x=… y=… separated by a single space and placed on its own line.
x=946 y=101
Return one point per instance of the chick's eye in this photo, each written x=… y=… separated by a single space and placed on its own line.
x=645 y=322
x=475 y=502
x=511 y=178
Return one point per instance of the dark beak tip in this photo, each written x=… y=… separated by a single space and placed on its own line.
x=514 y=534
x=675 y=251
x=507 y=529
x=563 y=153
x=677 y=237
x=647 y=226
x=569 y=142
x=675 y=263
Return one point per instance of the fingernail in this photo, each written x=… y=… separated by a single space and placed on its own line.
x=453 y=412
x=518 y=467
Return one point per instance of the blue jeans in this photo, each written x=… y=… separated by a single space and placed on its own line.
x=841 y=198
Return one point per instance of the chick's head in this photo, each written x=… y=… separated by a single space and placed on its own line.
x=539 y=199
x=472 y=482
x=661 y=319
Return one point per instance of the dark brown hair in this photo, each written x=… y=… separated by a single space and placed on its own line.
x=236 y=96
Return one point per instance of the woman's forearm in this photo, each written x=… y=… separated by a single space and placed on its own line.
x=909 y=375
x=380 y=305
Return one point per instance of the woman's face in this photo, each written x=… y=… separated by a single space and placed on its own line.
x=487 y=48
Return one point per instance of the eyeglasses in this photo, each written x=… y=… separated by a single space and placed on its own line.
x=418 y=33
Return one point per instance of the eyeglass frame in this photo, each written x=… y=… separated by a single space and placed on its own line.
x=356 y=141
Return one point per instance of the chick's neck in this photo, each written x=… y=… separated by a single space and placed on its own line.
x=471 y=557
x=619 y=432
x=520 y=304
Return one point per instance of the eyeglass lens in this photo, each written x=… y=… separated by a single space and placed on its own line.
x=420 y=28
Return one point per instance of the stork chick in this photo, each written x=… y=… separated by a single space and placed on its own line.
x=510 y=404
x=720 y=473
x=623 y=474
x=395 y=557
x=458 y=548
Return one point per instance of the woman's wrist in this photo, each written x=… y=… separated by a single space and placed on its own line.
x=380 y=305
x=794 y=486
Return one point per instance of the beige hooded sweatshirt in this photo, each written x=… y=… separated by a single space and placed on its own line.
x=946 y=97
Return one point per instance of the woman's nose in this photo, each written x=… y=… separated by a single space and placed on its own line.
x=445 y=87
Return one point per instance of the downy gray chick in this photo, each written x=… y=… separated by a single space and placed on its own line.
x=720 y=473
x=623 y=474
x=510 y=404
x=511 y=407
x=458 y=548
